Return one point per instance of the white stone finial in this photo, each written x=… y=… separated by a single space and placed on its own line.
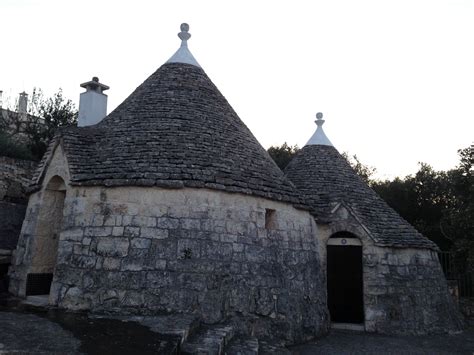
x=183 y=55
x=319 y=137
x=319 y=119
x=184 y=35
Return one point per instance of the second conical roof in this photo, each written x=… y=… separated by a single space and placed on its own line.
x=325 y=178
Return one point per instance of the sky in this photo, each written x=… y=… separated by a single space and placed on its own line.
x=394 y=79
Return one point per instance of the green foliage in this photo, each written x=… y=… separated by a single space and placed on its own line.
x=283 y=154
x=12 y=149
x=420 y=199
x=365 y=172
x=51 y=113
x=440 y=204
x=32 y=132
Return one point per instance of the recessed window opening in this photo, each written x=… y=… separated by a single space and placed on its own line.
x=270 y=218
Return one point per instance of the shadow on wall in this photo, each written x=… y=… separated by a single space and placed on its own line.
x=15 y=176
x=47 y=237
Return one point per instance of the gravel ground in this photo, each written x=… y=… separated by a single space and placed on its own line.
x=30 y=334
x=346 y=342
x=24 y=331
x=69 y=333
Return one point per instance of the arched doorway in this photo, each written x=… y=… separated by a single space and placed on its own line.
x=46 y=241
x=344 y=278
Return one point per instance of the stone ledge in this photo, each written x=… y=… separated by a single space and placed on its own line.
x=5 y=256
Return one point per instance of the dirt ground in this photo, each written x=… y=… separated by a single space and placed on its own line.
x=345 y=342
x=40 y=331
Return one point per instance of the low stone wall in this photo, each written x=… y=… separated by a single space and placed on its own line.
x=15 y=175
x=11 y=219
x=17 y=124
x=146 y=250
x=466 y=306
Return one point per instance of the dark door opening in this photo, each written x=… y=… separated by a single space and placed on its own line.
x=345 y=294
x=4 y=278
x=38 y=284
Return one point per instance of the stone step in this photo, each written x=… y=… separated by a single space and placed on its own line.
x=242 y=346
x=177 y=325
x=209 y=340
x=267 y=347
x=182 y=325
x=38 y=301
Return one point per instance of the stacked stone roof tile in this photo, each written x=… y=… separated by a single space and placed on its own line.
x=175 y=130
x=325 y=178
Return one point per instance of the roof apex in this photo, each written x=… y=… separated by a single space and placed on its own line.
x=319 y=137
x=183 y=54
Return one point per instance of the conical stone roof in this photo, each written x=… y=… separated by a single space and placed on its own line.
x=325 y=178
x=175 y=130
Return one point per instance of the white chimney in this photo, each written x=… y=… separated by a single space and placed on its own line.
x=23 y=102
x=92 y=103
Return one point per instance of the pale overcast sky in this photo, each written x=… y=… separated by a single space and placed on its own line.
x=394 y=79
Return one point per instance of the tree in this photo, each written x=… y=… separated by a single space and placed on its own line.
x=457 y=222
x=365 y=172
x=35 y=129
x=421 y=199
x=12 y=149
x=440 y=204
x=283 y=154
x=49 y=114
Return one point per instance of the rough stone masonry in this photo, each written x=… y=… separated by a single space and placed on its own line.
x=170 y=204
x=143 y=250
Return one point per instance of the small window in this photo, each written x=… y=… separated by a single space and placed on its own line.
x=270 y=219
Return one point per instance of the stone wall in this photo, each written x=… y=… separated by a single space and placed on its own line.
x=405 y=291
x=466 y=306
x=11 y=218
x=151 y=250
x=145 y=250
x=16 y=124
x=15 y=175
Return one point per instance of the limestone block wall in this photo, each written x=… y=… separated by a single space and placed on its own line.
x=145 y=250
x=405 y=291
